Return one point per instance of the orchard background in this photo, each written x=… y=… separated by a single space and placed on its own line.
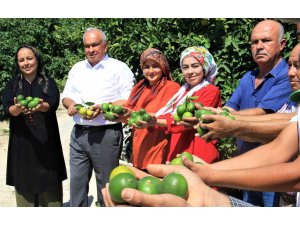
x=59 y=42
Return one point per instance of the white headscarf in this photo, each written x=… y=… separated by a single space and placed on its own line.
x=206 y=60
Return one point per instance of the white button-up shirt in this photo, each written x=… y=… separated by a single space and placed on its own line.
x=108 y=81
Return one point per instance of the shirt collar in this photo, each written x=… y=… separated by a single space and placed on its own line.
x=276 y=69
x=99 y=64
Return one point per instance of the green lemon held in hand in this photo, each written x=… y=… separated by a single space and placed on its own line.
x=177 y=162
x=120 y=169
x=146 y=117
x=190 y=107
x=187 y=115
x=176 y=118
x=150 y=185
x=23 y=102
x=118 y=183
x=20 y=98
x=188 y=155
x=176 y=184
x=181 y=109
x=104 y=107
x=29 y=98
x=118 y=109
x=32 y=104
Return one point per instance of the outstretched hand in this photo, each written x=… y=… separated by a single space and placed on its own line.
x=198 y=192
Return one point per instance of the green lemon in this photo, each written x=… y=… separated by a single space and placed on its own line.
x=134 y=114
x=142 y=112
x=176 y=118
x=130 y=121
x=23 y=102
x=118 y=183
x=118 y=109
x=150 y=185
x=190 y=107
x=181 y=109
x=176 y=184
x=20 y=98
x=29 y=98
x=187 y=115
x=198 y=113
x=32 y=104
x=110 y=106
x=36 y=99
x=109 y=116
x=146 y=117
x=176 y=162
x=187 y=155
x=137 y=120
x=207 y=112
x=104 y=107
x=120 y=169
x=224 y=113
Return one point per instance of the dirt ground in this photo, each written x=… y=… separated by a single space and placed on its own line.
x=7 y=193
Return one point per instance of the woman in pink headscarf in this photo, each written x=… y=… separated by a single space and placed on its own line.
x=150 y=145
x=199 y=70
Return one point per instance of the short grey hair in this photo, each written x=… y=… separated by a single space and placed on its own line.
x=95 y=29
x=281 y=32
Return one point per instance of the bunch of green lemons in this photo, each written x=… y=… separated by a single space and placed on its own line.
x=109 y=110
x=201 y=112
x=137 y=116
x=123 y=177
x=178 y=159
x=187 y=109
x=29 y=102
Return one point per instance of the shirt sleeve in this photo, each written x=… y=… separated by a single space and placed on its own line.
x=69 y=91
x=235 y=99
x=126 y=82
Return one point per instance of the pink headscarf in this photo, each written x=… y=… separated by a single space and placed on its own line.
x=161 y=60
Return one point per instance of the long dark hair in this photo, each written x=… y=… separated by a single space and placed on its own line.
x=42 y=79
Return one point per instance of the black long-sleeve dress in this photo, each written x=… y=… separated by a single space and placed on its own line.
x=35 y=160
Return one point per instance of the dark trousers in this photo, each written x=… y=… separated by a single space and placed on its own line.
x=91 y=148
x=44 y=199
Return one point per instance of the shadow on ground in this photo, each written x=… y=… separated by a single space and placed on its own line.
x=90 y=201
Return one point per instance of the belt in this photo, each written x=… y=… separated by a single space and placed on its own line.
x=97 y=128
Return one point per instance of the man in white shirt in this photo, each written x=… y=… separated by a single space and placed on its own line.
x=95 y=142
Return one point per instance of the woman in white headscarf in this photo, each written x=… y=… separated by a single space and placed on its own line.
x=199 y=70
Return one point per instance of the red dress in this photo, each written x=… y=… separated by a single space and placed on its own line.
x=183 y=139
x=150 y=145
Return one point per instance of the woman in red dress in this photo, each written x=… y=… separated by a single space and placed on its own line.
x=199 y=70
x=150 y=144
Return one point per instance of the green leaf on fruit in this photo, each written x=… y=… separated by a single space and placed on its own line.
x=89 y=103
x=193 y=98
